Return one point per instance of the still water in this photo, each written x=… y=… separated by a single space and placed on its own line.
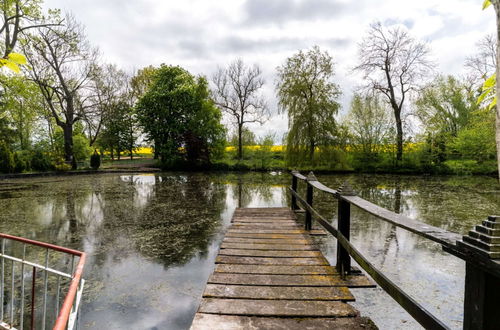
x=152 y=239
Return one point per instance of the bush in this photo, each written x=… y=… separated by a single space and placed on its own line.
x=20 y=163
x=7 y=164
x=40 y=161
x=62 y=166
x=95 y=160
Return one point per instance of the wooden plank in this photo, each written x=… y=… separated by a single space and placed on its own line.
x=270 y=253
x=278 y=247
x=247 y=240
x=274 y=236
x=277 y=292
x=272 y=269
x=276 y=280
x=232 y=322
x=270 y=261
x=288 y=308
x=265 y=225
x=266 y=231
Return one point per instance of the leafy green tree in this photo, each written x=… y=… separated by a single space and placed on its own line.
x=496 y=5
x=247 y=138
x=177 y=113
x=307 y=93
x=119 y=132
x=369 y=123
x=477 y=140
x=62 y=62
x=7 y=164
x=445 y=106
x=22 y=103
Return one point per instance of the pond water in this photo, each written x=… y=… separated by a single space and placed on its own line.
x=152 y=239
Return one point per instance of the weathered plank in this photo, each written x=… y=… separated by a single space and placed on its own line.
x=288 y=308
x=270 y=261
x=266 y=231
x=277 y=292
x=261 y=235
x=277 y=247
x=232 y=322
x=277 y=270
x=276 y=280
x=270 y=253
x=266 y=240
x=270 y=275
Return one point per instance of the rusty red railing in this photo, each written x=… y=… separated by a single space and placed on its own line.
x=60 y=278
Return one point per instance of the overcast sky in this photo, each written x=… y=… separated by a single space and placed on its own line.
x=200 y=35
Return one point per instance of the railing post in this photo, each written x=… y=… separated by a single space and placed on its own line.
x=481 y=252
x=309 y=200
x=344 y=226
x=294 y=188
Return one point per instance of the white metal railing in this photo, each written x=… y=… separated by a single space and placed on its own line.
x=34 y=277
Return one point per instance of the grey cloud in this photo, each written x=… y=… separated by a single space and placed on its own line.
x=279 y=11
x=242 y=45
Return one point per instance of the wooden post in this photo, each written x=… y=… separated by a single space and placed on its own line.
x=309 y=199
x=344 y=226
x=294 y=188
x=481 y=252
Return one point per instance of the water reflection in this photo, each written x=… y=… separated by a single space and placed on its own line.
x=152 y=239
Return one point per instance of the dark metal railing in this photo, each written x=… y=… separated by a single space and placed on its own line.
x=480 y=250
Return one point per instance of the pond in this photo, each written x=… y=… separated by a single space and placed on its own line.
x=152 y=239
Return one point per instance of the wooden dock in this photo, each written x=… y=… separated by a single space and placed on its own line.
x=269 y=275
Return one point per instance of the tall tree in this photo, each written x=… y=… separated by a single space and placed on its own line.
x=483 y=63
x=62 y=61
x=21 y=104
x=496 y=5
x=18 y=17
x=445 y=106
x=393 y=64
x=238 y=93
x=369 y=123
x=307 y=93
x=177 y=113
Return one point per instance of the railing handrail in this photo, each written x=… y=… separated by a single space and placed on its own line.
x=76 y=277
x=479 y=250
x=436 y=234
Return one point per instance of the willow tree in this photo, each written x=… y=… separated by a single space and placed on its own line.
x=306 y=91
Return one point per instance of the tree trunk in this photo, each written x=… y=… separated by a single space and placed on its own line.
x=399 y=136
x=68 y=142
x=156 y=152
x=240 y=142
x=112 y=154
x=312 y=145
x=496 y=5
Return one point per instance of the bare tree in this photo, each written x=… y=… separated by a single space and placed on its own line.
x=237 y=93
x=19 y=16
x=62 y=62
x=393 y=63
x=484 y=63
x=108 y=86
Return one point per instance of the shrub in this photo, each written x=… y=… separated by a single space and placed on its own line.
x=95 y=160
x=40 y=161
x=20 y=163
x=7 y=164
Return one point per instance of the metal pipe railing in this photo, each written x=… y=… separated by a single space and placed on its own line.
x=65 y=313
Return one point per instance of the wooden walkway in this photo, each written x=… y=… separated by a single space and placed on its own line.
x=269 y=275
